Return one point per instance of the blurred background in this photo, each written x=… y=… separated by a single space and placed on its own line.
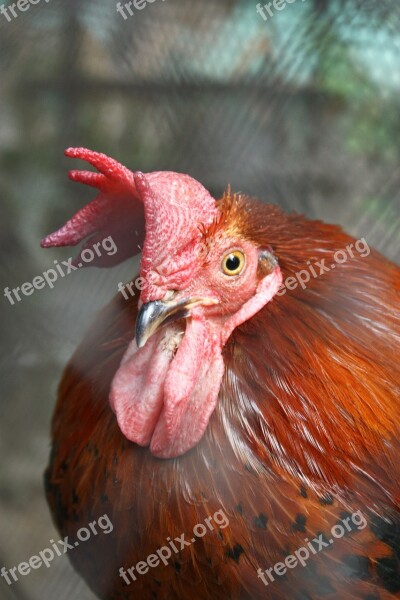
x=301 y=109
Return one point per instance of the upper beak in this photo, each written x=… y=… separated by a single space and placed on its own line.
x=154 y=314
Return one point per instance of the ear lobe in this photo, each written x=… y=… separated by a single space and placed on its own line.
x=117 y=211
x=267 y=262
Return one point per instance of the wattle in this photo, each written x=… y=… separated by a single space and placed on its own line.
x=164 y=393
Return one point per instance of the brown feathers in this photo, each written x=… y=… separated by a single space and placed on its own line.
x=305 y=433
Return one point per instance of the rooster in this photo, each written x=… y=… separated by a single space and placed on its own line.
x=226 y=389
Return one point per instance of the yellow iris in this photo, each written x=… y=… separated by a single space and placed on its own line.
x=233 y=263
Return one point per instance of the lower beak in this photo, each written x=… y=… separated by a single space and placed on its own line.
x=154 y=314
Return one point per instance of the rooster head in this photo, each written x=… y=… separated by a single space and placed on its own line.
x=203 y=274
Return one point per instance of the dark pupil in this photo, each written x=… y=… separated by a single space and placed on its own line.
x=232 y=262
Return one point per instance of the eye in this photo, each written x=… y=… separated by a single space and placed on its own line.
x=233 y=263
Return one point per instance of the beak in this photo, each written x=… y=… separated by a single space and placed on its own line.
x=154 y=314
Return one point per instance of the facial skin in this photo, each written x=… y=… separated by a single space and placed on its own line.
x=230 y=291
x=223 y=274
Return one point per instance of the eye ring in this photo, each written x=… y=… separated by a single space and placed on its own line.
x=233 y=263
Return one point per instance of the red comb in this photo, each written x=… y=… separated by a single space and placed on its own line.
x=171 y=205
x=117 y=211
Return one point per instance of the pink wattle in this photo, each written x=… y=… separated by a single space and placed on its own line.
x=163 y=399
